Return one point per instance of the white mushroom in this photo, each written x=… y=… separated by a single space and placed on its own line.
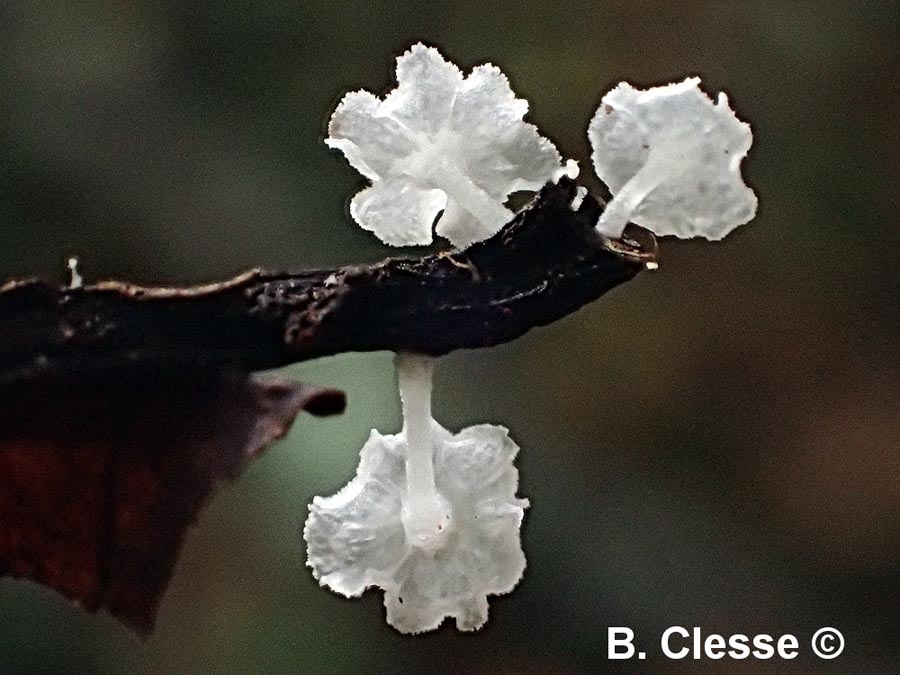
x=431 y=517
x=441 y=142
x=671 y=158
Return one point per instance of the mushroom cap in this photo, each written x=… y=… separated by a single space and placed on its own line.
x=356 y=537
x=692 y=145
x=440 y=146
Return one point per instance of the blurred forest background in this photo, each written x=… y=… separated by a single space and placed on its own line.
x=715 y=444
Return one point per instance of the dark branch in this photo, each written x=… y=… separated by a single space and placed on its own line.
x=545 y=264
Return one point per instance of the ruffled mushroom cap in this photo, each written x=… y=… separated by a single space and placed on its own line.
x=440 y=142
x=356 y=538
x=671 y=158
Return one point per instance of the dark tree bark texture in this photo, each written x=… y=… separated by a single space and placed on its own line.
x=545 y=264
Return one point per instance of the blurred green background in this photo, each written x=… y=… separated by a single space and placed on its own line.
x=716 y=444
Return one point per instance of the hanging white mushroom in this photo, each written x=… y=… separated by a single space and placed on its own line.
x=431 y=517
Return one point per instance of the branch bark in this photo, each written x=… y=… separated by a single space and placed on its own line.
x=545 y=264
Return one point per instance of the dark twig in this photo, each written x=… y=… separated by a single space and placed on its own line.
x=545 y=264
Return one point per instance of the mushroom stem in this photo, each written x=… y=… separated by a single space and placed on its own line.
x=444 y=174
x=618 y=212
x=425 y=515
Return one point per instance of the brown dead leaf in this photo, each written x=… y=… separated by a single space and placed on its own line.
x=101 y=474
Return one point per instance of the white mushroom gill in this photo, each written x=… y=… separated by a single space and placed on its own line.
x=671 y=158
x=431 y=517
x=441 y=146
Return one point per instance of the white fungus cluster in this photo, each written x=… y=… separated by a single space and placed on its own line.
x=432 y=517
